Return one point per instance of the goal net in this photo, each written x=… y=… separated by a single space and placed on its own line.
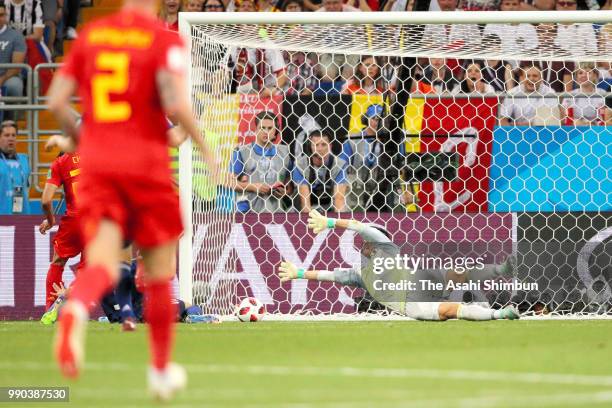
x=466 y=135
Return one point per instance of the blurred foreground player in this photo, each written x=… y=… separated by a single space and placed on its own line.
x=128 y=70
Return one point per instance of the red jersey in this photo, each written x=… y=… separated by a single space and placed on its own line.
x=65 y=171
x=115 y=62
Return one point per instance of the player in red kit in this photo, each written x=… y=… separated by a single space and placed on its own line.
x=129 y=72
x=67 y=242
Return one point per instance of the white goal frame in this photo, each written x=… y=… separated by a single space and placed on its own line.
x=188 y=20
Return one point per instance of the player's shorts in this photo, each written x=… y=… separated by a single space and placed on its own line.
x=67 y=242
x=146 y=209
x=423 y=310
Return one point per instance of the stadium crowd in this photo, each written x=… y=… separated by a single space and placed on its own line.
x=318 y=173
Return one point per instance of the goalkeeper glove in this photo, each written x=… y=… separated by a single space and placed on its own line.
x=289 y=271
x=318 y=222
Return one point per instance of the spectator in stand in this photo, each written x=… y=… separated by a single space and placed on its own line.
x=437 y=78
x=70 y=16
x=333 y=69
x=26 y=17
x=258 y=70
x=339 y=5
x=557 y=74
x=535 y=5
x=399 y=5
x=367 y=79
x=605 y=48
x=169 y=13
x=14 y=172
x=300 y=73
x=262 y=168
x=12 y=51
x=293 y=6
x=473 y=82
x=321 y=176
x=605 y=76
x=577 y=39
x=527 y=104
x=496 y=73
x=211 y=6
x=586 y=105
x=451 y=36
x=51 y=16
x=266 y=6
x=194 y=5
x=480 y=5
x=514 y=37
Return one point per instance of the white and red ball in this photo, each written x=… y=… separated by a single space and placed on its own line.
x=250 y=309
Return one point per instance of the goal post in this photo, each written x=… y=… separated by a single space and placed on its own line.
x=465 y=134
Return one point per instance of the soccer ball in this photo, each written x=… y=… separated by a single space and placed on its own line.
x=250 y=310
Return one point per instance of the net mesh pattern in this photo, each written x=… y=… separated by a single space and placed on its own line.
x=461 y=140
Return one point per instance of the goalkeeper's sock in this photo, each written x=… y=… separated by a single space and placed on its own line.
x=123 y=293
x=90 y=285
x=54 y=275
x=160 y=314
x=475 y=312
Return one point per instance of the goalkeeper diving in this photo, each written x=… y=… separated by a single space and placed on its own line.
x=413 y=302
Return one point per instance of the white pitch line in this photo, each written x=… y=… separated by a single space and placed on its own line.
x=462 y=375
x=355 y=372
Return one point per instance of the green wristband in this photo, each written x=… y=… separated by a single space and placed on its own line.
x=331 y=223
x=300 y=273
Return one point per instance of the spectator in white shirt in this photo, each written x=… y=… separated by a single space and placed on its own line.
x=338 y=5
x=585 y=106
x=523 y=103
x=257 y=70
x=473 y=84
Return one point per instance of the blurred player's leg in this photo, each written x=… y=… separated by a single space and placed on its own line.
x=160 y=314
x=97 y=278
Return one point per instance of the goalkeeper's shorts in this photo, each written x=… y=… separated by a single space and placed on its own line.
x=423 y=310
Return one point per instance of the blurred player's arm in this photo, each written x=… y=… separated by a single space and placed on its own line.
x=344 y=276
x=318 y=223
x=176 y=136
x=61 y=90
x=46 y=203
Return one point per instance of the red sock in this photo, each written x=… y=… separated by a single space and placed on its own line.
x=91 y=283
x=54 y=275
x=160 y=314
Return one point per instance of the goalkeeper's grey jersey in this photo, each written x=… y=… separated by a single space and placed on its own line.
x=364 y=275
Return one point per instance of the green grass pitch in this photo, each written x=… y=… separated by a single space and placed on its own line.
x=335 y=364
